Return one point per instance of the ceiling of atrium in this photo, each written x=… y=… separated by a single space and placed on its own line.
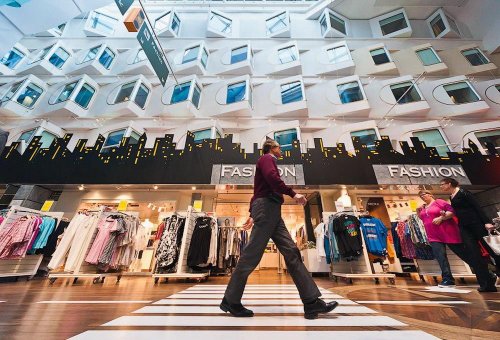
x=415 y=9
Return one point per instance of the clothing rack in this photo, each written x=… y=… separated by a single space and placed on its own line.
x=429 y=269
x=28 y=265
x=361 y=268
x=83 y=269
x=182 y=271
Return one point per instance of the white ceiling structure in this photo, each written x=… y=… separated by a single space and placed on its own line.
x=481 y=16
x=38 y=16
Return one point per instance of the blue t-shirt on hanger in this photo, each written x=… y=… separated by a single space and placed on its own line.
x=375 y=235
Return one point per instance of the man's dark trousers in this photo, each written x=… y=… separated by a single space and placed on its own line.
x=268 y=224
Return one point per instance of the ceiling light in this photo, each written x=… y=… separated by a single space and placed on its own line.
x=155 y=187
x=193 y=188
x=81 y=187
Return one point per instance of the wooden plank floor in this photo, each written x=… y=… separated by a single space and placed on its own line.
x=135 y=308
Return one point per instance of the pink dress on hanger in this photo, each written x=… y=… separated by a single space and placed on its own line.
x=447 y=231
x=105 y=229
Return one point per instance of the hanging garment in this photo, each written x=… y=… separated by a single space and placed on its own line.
x=407 y=246
x=391 y=251
x=21 y=248
x=109 y=249
x=75 y=236
x=36 y=231
x=333 y=249
x=230 y=243
x=46 y=229
x=301 y=237
x=159 y=231
x=167 y=253
x=212 y=254
x=375 y=234
x=424 y=252
x=199 y=248
x=16 y=237
x=328 y=251
x=348 y=235
x=395 y=239
x=105 y=231
x=51 y=245
x=82 y=241
x=244 y=239
x=319 y=232
x=417 y=230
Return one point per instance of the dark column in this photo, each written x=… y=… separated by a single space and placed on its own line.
x=31 y=196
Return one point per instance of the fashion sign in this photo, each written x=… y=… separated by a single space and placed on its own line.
x=418 y=174
x=292 y=174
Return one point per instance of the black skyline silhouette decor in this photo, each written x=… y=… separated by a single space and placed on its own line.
x=164 y=164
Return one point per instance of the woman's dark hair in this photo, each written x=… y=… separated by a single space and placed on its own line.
x=453 y=182
x=268 y=145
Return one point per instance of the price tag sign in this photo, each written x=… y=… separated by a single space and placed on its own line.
x=198 y=205
x=413 y=205
x=47 y=205
x=122 y=206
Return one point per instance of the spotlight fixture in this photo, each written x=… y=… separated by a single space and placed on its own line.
x=155 y=187
x=193 y=188
x=81 y=187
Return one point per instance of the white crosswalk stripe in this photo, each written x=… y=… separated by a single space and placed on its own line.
x=247 y=302
x=252 y=335
x=256 y=310
x=246 y=296
x=273 y=305
x=278 y=321
x=250 y=291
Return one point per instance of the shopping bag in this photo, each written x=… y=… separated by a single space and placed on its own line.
x=493 y=240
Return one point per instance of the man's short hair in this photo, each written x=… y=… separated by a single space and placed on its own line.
x=453 y=182
x=268 y=145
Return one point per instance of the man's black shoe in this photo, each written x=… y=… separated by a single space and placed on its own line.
x=236 y=310
x=311 y=310
x=488 y=289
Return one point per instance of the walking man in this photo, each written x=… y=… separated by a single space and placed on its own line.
x=474 y=224
x=265 y=217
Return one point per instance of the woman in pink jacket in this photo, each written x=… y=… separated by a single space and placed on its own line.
x=442 y=230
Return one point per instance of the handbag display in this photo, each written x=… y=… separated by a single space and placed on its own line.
x=493 y=240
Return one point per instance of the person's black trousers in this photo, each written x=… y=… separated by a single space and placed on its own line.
x=268 y=224
x=439 y=251
x=475 y=260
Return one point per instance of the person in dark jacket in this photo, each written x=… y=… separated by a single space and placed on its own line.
x=474 y=224
x=265 y=216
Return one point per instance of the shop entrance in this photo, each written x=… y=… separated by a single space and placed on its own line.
x=231 y=208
